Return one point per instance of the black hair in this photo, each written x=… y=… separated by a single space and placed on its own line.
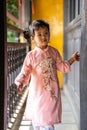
x=36 y=24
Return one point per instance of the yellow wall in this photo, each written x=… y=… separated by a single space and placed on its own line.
x=52 y=12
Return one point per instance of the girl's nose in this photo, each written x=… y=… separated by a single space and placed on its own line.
x=43 y=35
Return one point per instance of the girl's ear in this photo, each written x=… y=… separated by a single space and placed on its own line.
x=32 y=38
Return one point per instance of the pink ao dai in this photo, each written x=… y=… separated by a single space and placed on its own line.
x=43 y=105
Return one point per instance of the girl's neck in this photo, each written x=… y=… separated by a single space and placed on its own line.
x=43 y=48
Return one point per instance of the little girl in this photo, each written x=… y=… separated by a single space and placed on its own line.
x=40 y=66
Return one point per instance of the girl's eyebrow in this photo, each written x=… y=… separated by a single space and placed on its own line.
x=38 y=32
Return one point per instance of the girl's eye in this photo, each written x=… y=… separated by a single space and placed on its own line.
x=38 y=34
x=46 y=33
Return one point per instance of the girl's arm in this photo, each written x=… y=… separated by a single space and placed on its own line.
x=23 y=77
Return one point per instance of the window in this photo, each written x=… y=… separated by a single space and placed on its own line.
x=74 y=9
x=78 y=6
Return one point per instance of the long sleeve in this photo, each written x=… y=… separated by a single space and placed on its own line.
x=61 y=65
x=24 y=76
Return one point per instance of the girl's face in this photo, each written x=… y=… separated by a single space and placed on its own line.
x=41 y=37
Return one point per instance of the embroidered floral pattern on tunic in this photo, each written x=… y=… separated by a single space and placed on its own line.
x=47 y=66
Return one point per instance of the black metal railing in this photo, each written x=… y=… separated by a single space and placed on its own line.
x=15 y=56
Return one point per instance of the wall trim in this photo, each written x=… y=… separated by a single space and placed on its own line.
x=73 y=24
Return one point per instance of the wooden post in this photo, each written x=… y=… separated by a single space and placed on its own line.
x=2 y=64
x=83 y=68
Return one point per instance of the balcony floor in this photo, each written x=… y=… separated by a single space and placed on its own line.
x=68 y=121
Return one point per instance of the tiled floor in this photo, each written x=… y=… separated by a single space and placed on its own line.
x=68 y=121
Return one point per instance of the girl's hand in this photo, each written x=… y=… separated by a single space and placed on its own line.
x=20 y=89
x=76 y=56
